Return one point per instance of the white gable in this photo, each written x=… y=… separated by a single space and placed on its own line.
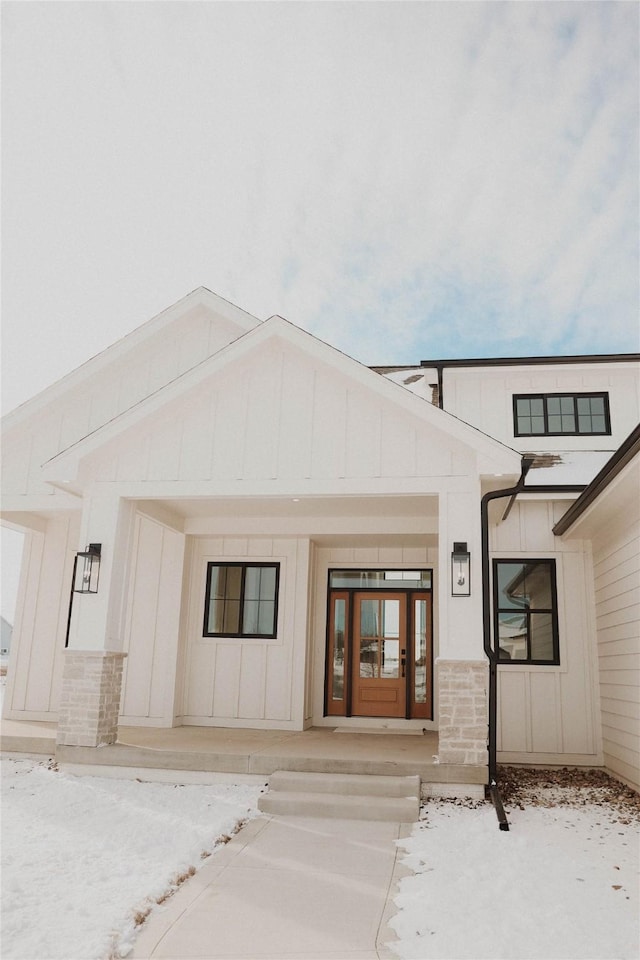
x=278 y=405
x=157 y=353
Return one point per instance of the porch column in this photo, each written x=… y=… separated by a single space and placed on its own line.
x=462 y=674
x=92 y=673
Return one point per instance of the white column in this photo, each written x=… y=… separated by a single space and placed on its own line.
x=460 y=618
x=97 y=620
x=92 y=675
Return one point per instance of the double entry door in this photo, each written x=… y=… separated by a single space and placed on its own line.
x=379 y=656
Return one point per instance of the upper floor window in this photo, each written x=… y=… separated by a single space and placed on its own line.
x=561 y=414
x=526 y=611
x=241 y=600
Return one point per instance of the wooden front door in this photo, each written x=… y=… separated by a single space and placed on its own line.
x=379 y=657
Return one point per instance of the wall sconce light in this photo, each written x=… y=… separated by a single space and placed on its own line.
x=460 y=570
x=86 y=569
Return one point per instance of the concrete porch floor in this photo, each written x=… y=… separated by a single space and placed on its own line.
x=252 y=752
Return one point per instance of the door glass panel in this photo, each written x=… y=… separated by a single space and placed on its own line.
x=390 y=651
x=379 y=638
x=420 y=651
x=337 y=686
x=370 y=638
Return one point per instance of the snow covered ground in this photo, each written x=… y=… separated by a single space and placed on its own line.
x=84 y=857
x=562 y=883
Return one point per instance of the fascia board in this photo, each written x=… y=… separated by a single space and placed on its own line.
x=115 y=352
x=492 y=454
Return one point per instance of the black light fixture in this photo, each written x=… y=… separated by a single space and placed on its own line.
x=86 y=570
x=460 y=570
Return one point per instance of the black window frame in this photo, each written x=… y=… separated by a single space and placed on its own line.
x=554 y=661
x=239 y=634
x=602 y=394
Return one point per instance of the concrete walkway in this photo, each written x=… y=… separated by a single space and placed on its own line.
x=285 y=888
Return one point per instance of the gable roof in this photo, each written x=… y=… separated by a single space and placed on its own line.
x=493 y=451
x=625 y=453
x=201 y=296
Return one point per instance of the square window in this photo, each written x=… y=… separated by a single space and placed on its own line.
x=241 y=600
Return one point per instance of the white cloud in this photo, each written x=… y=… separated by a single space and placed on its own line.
x=404 y=179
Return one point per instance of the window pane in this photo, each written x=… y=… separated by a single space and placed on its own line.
x=337 y=689
x=523 y=407
x=541 y=636
x=511 y=586
x=369 y=659
x=566 y=405
x=537 y=586
x=218 y=581
x=252 y=583
x=555 y=424
x=233 y=582
x=268 y=583
x=553 y=405
x=369 y=618
x=380 y=579
x=524 y=425
x=231 y=620
x=584 y=404
x=568 y=423
x=370 y=622
x=597 y=405
x=537 y=406
x=598 y=424
x=266 y=617
x=537 y=425
x=512 y=636
x=216 y=616
x=420 y=651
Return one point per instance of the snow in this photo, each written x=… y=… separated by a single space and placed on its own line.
x=82 y=855
x=561 y=883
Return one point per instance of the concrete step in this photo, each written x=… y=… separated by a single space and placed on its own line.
x=345 y=783
x=344 y=796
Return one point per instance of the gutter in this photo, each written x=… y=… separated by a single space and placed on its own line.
x=512 y=493
x=486 y=631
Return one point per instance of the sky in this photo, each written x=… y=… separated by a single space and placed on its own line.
x=406 y=180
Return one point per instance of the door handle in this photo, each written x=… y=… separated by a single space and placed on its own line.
x=402 y=664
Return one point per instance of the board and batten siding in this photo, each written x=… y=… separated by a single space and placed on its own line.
x=34 y=677
x=616 y=571
x=483 y=396
x=152 y=625
x=279 y=414
x=113 y=388
x=549 y=714
x=246 y=682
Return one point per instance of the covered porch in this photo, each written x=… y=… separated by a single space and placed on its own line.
x=208 y=750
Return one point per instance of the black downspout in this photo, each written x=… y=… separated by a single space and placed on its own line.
x=486 y=630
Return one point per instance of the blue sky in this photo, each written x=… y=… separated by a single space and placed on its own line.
x=405 y=180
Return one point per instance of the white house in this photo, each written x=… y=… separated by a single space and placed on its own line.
x=229 y=523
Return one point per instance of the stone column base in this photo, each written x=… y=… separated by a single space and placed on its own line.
x=90 y=698
x=463 y=711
